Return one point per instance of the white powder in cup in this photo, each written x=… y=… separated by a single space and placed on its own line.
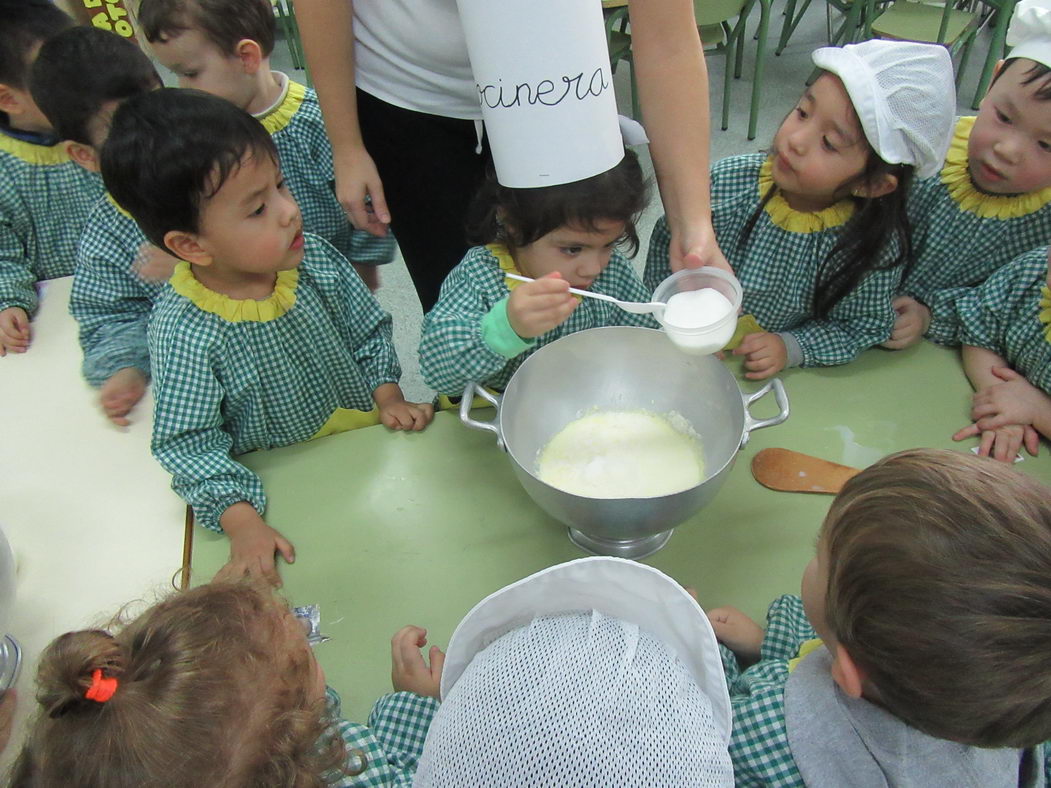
x=696 y=308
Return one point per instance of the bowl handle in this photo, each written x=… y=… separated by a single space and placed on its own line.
x=757 y=424
x=469 y=392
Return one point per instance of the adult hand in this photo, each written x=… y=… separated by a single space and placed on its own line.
x=409 y=671
x=696 y=248
x=360 y=192
x=536 y=307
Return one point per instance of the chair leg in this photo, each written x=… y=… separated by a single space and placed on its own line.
x=996 y=50
x=790 y=24
x=964 y=57
x=732 y=45
x=760 y=65
x=636 y=111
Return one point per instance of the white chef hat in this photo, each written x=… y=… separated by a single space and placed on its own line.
x=545 y=86
x=597 y=672
x=1030 y=31
x=904 y=95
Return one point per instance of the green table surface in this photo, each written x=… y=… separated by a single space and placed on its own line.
x=395 y=528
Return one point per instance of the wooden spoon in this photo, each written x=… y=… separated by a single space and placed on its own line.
x=792 y=471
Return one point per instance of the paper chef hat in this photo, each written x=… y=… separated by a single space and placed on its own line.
x=545 y=87
x=1030 y=31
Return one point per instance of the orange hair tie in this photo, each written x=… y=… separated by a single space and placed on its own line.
x=101 y=690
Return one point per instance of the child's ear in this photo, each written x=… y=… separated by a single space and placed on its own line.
x=846 y=672
x=186 y=247
x=250 y=54
x=9 y=100
x=879 y=187
x=84 y=155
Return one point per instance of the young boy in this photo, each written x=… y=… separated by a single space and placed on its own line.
x=223 y=47
x=265 y=336
x=992 y=200
x=79 y=78
x=44 y=197
x=931 y=593
x=1004 y=325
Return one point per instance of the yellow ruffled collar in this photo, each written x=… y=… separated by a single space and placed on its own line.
x=34 y=154
x=956 y=176
x=246 y=310
x=1045 y=312
x=788 y=218
x=281 y=115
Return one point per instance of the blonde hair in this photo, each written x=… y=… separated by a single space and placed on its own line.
x=939 y=587
x=207 y=695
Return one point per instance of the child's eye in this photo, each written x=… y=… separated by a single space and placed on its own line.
x=802 y=113
x=281 y=185
x=1044 y=146
x=190 y=74
x=827 y=145
x=572 y=251
x=259 y=211
x=1002 y=117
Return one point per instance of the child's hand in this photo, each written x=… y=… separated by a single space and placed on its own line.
x=910 y=325
x=536 y=307
x=409 y=671
x=154 y=264
x=253 y=545
x=14 y=331
x=121 y=393
x=765 y=355
x=1003 y=442
x=396 y=413
x=737 y=632
x=1015 y=401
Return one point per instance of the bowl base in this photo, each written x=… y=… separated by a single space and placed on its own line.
x=10 y=662
x=621 y=548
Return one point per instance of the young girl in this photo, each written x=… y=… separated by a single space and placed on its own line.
x=212 y=686
x=485 y=324
x=816 y=230
x=1004 y=325
x=266 y=336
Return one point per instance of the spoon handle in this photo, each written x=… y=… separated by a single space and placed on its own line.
x=574 y=290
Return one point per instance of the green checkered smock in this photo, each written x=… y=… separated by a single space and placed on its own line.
x=389 y=747
x=44 y=202
x=759 y=745
x=778 y=268
x=961 y=235
x=222 y=387
x=452 y=350
x=109 y=301
x=306 y=162
x=1002 y=315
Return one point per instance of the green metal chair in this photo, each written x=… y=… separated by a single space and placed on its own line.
x=1003 y=10
x=285 y=12
x=714 y=19
x=945 y=24
x=850 y=30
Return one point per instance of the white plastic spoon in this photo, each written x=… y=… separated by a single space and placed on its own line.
x=635 y=307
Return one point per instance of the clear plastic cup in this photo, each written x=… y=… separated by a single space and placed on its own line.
x=709 y=338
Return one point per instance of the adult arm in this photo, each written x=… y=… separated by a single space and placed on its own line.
x=326 y=28
x=673 y=87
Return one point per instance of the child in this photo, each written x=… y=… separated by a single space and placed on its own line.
x=485 y=325
x=992 y=200
x=212 y=686
x=79 y=77
x=223 y=47
x=44 y=197
x=816 y=230
x=265 y=337
x=1004 y=325
x=931 y=593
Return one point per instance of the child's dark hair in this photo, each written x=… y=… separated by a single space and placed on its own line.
x=518 y=217
x=26 y=24
x=223 y=22
x=939 y=588
x=211 y=690
x=1035 y=73
x=877 y=224
x=172 y=149
x=81 y=70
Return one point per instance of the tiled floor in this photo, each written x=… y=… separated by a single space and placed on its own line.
x=783 y=83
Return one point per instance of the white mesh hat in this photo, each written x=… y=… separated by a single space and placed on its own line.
x=904 y=95
x=598 y=672
x=1030 y=31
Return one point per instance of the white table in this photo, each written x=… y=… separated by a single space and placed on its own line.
x=89 y=513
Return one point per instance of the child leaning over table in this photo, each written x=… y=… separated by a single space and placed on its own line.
x=44 y=197
x=223 y=47
x=931 y=593
x=265 y=336
x=215 y=686
x=1004 y=325
x=816 y=229
x=992 y=199
x=485 y=324
x=78 y=79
